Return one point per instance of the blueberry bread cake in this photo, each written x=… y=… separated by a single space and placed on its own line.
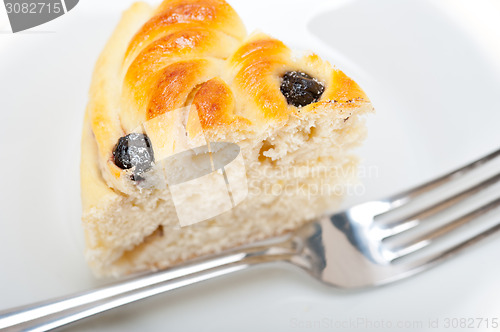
x=185 y=75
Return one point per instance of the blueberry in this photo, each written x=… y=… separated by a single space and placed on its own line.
x=134 y=151
x=300 y=89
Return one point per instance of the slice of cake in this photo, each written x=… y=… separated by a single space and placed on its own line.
x=199 y=138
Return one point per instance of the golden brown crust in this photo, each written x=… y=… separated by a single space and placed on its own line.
x=214 y=102
x=258 y=65
x=174 y=85
x=183 y=14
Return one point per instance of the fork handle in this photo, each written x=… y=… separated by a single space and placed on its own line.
x=47 y=315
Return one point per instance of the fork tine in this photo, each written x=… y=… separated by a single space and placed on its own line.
x=425 y=240
x=403 y=197
x=412 y=221
x=437 y=258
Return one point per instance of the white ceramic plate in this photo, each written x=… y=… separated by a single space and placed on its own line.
x=431 y=68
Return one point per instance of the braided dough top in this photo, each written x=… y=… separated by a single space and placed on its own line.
x=195 y=55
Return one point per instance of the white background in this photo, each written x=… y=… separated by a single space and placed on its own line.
x=432 y=70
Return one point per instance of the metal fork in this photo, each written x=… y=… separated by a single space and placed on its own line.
x=351 y=249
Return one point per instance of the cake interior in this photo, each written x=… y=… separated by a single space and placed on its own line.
x=295 y=171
